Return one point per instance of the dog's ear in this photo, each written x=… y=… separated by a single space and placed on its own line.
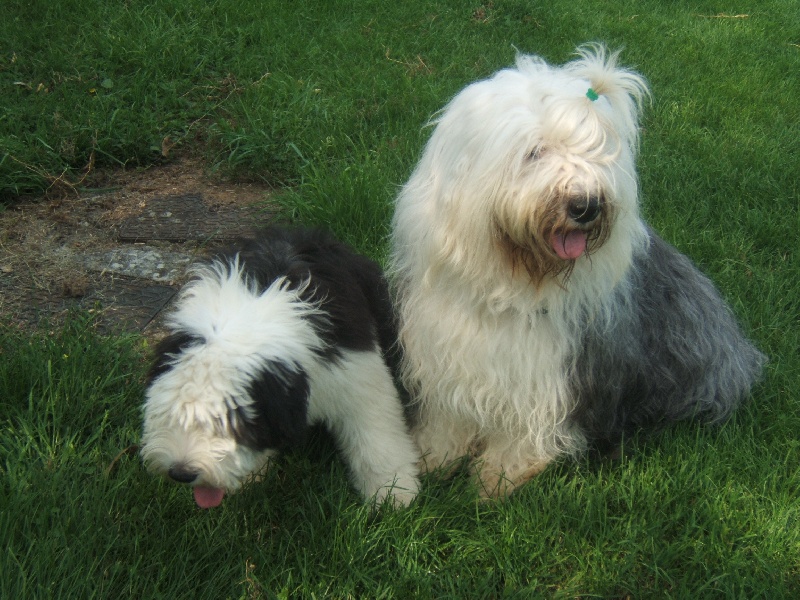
x=168 y=350
x=276 y=418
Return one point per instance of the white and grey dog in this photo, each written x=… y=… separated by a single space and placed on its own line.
x=289 y=329
x=538 y=313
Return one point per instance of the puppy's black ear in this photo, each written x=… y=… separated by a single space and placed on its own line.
x=278 y=413
x=168 y=350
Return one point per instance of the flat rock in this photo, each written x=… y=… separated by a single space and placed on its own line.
x=143 y=262
x=117 y=302
x=189 y=217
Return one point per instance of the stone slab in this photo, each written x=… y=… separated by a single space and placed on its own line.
x=118 y=303
x=183 y=218
x=144 y=262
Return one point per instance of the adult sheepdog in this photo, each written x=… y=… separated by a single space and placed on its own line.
x=285 y=330
x=538 y=313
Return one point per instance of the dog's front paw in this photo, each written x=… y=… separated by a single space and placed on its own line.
x=494 y=481
x=400 y=493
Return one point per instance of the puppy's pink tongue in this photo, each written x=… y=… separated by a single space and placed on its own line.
x=569 y=246
x=208 y=497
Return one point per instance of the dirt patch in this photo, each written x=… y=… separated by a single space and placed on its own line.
x=120 y=252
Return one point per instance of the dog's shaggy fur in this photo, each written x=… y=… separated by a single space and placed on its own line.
x=538 y=313
x=286 y=330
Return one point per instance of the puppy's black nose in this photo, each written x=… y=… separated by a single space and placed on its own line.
x=182 y=474
x=584 y=210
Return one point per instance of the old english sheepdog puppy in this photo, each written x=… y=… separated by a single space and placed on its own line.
x=538 y=314
x=289 y=329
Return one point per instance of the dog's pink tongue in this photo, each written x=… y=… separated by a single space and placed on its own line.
x=208 y=497
x=569 y=246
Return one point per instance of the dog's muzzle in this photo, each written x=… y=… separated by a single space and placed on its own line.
x=182 y=474
x=571 y=240
x=584 y=210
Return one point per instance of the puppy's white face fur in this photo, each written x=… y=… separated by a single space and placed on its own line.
x=202 y=399
x=190 y=419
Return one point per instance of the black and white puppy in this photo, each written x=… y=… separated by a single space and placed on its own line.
x=289 y=329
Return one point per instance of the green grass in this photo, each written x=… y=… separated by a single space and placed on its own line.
x=695 y=513
x=330 y=98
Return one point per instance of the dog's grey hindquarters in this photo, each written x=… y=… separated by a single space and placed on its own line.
x=678 y=353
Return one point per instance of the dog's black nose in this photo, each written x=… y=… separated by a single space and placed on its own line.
x=182 y=474
x=584 y=210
